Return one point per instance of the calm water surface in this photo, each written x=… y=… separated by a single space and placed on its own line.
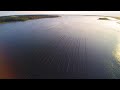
x=68 y=47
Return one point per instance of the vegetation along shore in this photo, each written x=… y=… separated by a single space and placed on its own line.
x=15 y=18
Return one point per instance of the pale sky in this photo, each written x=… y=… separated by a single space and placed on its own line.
x=109 y=13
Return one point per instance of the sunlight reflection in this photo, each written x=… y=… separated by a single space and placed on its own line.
x=117 y=52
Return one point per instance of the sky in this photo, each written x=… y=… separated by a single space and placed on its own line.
x=109 y=13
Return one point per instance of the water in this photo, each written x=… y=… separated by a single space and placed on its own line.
x=68 y=47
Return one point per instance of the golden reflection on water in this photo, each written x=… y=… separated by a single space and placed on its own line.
x=116 y=53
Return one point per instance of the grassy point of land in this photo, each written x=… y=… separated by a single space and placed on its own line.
x=16 y=18
x=116 y=18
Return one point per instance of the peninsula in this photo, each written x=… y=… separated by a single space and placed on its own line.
x=16 y=18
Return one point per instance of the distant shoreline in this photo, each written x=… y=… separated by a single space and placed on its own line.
x=16 y=18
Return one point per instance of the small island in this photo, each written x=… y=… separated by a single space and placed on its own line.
x=104 y=18
x=16 y=18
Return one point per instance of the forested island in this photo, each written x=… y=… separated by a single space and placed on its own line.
x=15 y=18
x=104 y=18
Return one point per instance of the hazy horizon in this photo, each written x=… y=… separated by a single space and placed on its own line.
x=108 y=13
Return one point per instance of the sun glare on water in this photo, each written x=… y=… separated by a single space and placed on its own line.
x=117 y=52
x=116 y=27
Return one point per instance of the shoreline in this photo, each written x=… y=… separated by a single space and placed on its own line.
x=17 y=18
x=22 y=18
